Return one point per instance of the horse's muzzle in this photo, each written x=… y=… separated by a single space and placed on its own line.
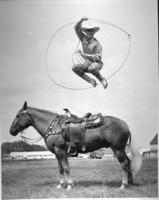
x=13 y=131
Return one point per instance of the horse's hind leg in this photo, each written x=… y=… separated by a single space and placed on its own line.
x=125 y=166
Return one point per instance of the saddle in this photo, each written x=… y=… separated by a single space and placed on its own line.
x=76 y=127
x=75 y=119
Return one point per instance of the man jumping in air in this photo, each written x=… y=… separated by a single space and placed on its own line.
x=91 y=54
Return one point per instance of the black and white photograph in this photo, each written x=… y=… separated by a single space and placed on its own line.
x=79 y=99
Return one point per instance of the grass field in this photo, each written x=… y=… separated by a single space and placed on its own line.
x=93 y=179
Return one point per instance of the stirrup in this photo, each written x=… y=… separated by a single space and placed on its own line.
x=73 y=154
x=83 y=148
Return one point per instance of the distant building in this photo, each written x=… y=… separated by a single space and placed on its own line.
x=32 y=155
x=104 y=153
x=154 y=143
x=153 y=152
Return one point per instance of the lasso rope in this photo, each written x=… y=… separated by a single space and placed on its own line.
x=95 y=20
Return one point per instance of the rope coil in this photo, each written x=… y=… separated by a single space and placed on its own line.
x=72 y=23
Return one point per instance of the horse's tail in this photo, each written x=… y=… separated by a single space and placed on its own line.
x=136 y=158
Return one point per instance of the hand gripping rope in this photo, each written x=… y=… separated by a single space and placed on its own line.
x=72 y=23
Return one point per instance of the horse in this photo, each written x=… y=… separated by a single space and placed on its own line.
x=113 y=133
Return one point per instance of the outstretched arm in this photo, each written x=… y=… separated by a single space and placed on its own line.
x=78 y=29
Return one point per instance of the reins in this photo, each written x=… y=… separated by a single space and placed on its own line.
x=47 y=133
x=29 y=140
x=26 y=139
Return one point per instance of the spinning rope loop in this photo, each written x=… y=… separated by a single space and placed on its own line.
x=72 y=23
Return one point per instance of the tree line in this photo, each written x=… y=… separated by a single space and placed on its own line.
x=20 y=146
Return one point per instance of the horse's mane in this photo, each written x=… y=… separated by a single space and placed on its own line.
x=43 y=111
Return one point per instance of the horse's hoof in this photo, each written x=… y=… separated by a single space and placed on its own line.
x=59 y=186
x=69 y=188
x=122 y=187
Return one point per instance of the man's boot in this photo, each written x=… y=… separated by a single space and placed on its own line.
x=104 y=82
x=100 y=78
x=89 y=80
x=80 y=73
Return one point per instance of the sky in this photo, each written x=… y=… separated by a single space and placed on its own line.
x=26 y=29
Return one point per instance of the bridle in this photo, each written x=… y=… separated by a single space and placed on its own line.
x=20 y=115
x=26 y=139
x=49 y=131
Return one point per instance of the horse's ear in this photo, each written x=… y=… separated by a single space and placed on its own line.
x=25 y=105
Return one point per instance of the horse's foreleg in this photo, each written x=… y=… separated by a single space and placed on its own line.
x=125 y=166
x=62 y=178
x=69 y=180
x=64 y=169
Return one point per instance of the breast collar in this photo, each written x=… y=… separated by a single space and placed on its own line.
x=55 y=126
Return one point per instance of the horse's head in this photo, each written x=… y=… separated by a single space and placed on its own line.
x=22 y=121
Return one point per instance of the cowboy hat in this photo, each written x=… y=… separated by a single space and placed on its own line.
x=90 y=29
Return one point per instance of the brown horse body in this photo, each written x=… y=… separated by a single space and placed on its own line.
x=114 y=133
